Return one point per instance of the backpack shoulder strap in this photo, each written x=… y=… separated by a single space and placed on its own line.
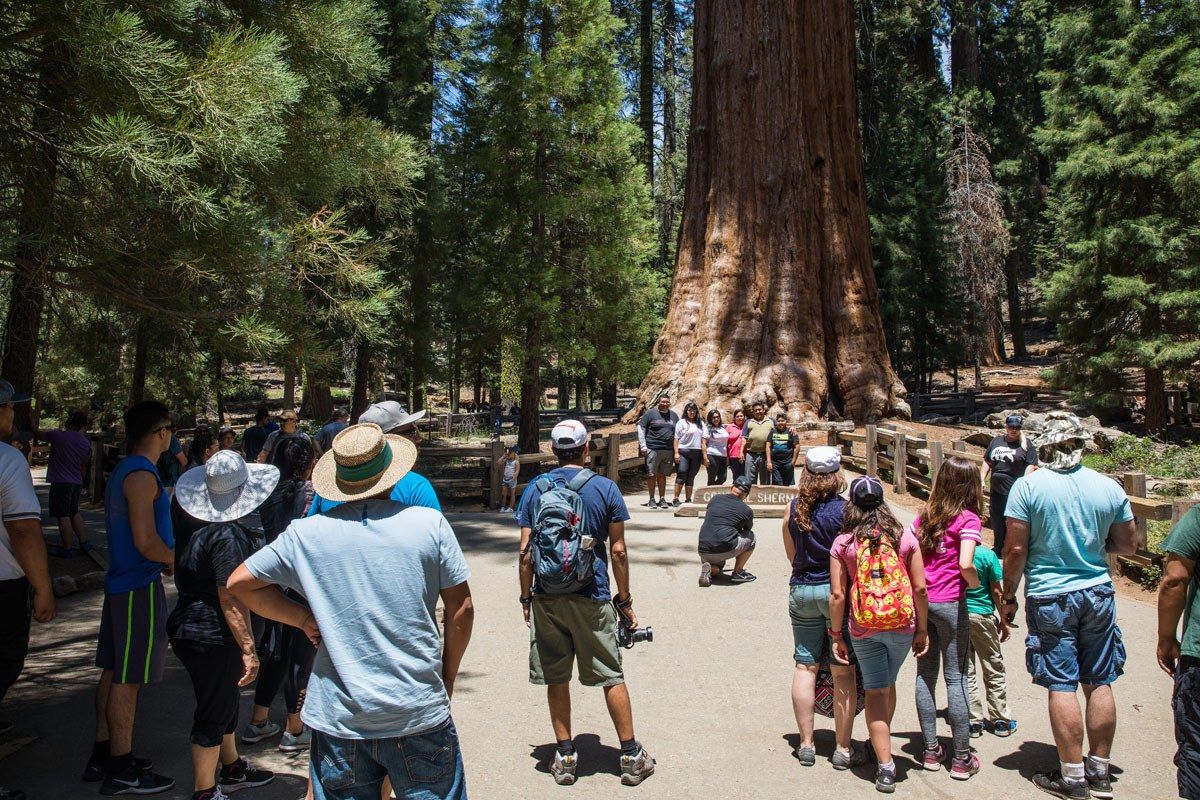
x=577 y=483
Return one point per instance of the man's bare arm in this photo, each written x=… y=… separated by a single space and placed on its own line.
x=460 y=617
x=141 y=490
x=1122 y=538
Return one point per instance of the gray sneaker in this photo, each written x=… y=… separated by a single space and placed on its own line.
x=807 y=756
x=252 y=734
x=563 y=768
x=295 y=742
x=636 y=768
x=842 y=761
x=705 y=574
x=1100 y=785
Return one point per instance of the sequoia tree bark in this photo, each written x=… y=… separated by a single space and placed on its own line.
x=774 y=295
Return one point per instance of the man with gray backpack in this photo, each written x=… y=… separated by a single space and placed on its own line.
x=571 y=520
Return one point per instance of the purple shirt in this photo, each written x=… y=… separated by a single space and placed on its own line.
x=68 y=452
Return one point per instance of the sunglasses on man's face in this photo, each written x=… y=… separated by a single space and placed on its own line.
x=410 y=430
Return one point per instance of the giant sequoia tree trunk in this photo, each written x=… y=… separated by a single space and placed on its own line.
x=774 y=296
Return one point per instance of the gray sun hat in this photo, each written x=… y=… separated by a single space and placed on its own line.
x=226 y=488
x=10 y=395
x=389 y=415
x=1062 y=441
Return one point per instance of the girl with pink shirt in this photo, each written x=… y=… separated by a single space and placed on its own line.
x=877 y=579
x=736 y=444
x=948 y=530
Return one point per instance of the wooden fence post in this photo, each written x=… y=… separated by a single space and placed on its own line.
x=900 y=464
x=960 y=447
x=831 y=438
x=1135 y=486
x=494 y=474
x=914 y=404
x=613 y=449
x=936 y=456
x=872 y=451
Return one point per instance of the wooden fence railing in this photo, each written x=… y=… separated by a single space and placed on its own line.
x=604 y=457
x=971 y=401
x=919 y=460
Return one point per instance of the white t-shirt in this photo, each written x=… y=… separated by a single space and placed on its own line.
x=718 y=440
x=688 y=434
x=18 y=500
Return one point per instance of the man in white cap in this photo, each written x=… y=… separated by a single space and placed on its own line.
x=23 y=566
x=414 y=489
x=572 y=622
x=1062 y=521
x=372 y=571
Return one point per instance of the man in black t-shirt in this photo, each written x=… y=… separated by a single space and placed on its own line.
x=656 y=439
x=1008 y=457
x=727 y=533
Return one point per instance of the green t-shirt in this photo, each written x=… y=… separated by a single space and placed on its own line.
x=979 y=599
x=1184 y=541
x=757 y=433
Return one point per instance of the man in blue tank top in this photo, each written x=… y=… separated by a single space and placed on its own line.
x=133 y=639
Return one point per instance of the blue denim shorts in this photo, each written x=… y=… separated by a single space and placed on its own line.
x=427 y=764
x=808 y=607
x=1073 y=639
x=880 y=656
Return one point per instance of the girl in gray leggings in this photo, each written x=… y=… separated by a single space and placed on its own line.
x=949 y=530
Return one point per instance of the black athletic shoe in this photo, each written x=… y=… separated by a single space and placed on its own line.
x=741 y=576
x=1054 y=783
x=140 y=783
x=675 y=503
x=651 y=503
x=241 y=775
x=97 y=768
x=1100 y=786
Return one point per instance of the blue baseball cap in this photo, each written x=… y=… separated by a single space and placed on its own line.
x=1014 y=421
x=10 y=395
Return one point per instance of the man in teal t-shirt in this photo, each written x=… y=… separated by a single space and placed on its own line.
x=987 y=632
x=1063 y=522
x=1179 y=596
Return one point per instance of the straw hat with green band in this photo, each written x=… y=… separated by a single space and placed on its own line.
x=362 y=463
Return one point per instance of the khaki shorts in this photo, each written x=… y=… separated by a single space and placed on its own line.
x=566 y=628
x=744 y=543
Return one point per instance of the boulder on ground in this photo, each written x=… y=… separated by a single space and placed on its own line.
x=64 y=585
x=980 y=438
x=939 y=419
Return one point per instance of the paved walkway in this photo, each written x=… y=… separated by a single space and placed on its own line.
x=711 y=696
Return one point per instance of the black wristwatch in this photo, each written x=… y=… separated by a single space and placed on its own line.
x=1013 y=602
x=527 y=600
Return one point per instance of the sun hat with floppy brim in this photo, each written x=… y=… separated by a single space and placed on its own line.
x=362 y=462
x=225 y=488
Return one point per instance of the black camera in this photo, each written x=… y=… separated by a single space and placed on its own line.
x=627 y=637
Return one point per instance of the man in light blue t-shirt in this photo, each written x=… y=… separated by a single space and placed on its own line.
x=372 y=571
x=1063 y=520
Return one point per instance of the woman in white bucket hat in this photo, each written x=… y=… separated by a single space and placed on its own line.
x=209 y=630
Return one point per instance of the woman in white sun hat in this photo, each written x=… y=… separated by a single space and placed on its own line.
x=209 y=630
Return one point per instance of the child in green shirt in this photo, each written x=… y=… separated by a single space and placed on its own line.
x=988 y=630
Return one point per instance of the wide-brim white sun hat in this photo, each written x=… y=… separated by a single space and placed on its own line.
x=363 y=462
x=226 y=488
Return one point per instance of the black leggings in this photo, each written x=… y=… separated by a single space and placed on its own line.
x=718 y=469
x=689 y=466
x=215 y=670
x=290 y=667
x=14 y=630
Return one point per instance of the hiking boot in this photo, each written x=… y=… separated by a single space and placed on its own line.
x=741 y=576
x=636 y=768
x=706 y=574
x=253 y=734
x=885 y=780
x=97 y=768
x=841 y=760
x=963 y=768
x=1100 y=785
x=241 y=775
x=976 y=729
x=933 y=758
x=1004 y=728
x=806 y=755
x=141 y=782
x=1054 y=783
x=563 y=768
x=295 y=742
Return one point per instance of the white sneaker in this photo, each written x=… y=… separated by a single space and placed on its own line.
x=252 y=734
x=294 y=743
